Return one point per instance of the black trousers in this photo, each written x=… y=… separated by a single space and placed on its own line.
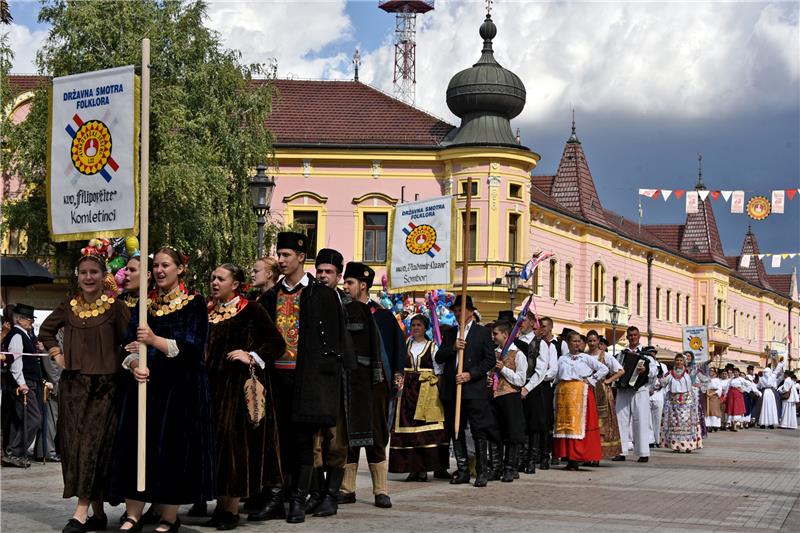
x=380 y=428
x=478 y=412
x=26 y=420
x=296 y=440
x=510 y=418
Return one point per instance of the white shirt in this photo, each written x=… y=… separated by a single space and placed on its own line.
x=751 y=387
x=458 y=336
x=789 y=385
x=739 y=384
x=303 y=281
x=771 y=377
x=580 y=366
x=16 y=347
x=675 y=383
x=527 y=337
x=611 y=362
x=546 y=365
x=714 y=384
x=417 y=347
x=515 y=377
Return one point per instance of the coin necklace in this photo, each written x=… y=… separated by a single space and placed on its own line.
x=174 y=300
x=223 y=311
x=83 y=309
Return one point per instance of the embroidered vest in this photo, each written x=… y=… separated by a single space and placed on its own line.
x=503 y=386
x=287 y=320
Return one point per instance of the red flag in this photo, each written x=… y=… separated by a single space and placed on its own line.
x=655 y=194
x=715 y=195
x=790 y=193
x=678 y=193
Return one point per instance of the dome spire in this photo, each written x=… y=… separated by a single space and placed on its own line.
x=573 y=139
x=700 y=186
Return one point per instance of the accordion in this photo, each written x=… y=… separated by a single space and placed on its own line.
x=632 y=379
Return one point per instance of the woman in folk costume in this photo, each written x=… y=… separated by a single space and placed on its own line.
x=94 y=323
x=180 y=442
x=768 y=383
x=712 y=401
x=734 y=400
x=680 y=424
x=242 y=340
x=789 y=394
x=604 y=396
x=131 y=281
x=577 y=434
x=418 y=443
x=699 y=375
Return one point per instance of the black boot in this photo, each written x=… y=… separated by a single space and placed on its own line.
x=481 y=462
x=511 y=462
x=297 y=500
x=333 y=482
x=317 y=490
x=495 y=465
x=533 y=455
x=461 y=475
x=544 y=446
x=274 y=508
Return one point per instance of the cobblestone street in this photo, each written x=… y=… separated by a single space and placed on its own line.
x=746 y=481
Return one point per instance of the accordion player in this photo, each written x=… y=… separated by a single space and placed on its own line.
x=632 y=379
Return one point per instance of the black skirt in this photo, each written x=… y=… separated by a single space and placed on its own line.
x=538 y=408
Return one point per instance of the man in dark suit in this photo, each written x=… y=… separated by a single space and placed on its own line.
x=479 y=359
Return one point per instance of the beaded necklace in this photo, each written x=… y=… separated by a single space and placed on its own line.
x=163 y=304
x=83 y=309
x=130 y=300
x=223 y=311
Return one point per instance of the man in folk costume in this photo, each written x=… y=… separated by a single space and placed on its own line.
x=479 y=358
x=370 y=388
x=307 y=380
x=633 y=400
x=331 y=443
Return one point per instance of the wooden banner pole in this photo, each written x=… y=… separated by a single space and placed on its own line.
x=462 y=321
x=144 y=202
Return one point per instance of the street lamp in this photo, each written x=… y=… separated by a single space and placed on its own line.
x=512 y=282
x=261 y=189
x=614 y=312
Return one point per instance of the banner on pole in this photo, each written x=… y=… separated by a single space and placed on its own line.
x=422 y=255
x=93 y=144
x=695 y=340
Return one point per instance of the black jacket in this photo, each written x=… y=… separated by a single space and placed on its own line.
x=479 y=359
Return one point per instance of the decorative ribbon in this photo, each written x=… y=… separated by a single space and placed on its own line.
x=430 y=302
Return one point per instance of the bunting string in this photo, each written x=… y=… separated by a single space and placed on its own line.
x=757 y=207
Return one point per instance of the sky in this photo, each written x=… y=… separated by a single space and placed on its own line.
x=652 y=85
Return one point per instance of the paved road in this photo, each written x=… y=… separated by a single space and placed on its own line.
x=747 y=481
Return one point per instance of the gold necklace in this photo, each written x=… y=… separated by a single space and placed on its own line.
x=224 y=311
x=174 y=300
x=131 y=301
x=83 y=309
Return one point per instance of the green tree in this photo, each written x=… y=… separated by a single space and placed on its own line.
x=207 y=125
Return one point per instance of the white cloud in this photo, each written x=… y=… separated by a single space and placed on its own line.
x=300 y=35
x=24 y=44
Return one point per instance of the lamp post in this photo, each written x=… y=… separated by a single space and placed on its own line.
x=261 y=189
x=512 y=283
x=614 y=312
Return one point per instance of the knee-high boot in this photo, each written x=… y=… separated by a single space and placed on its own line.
x=511 y=462
x=461 y=475
x=481 y=462
x=544 y=447
x=297 y=500
x=533 y=456
x=495 y=464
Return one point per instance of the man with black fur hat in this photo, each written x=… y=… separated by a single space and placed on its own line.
x=307 y=379
x=370 y=387
x=25 y=384
x=479 y=359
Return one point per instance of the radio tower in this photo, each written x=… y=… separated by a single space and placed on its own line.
x=405 y=44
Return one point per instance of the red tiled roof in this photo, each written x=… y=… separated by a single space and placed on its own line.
x=573 y=186
x=733 y=262
x=632 y=230
x=544 y=183
x=670 y=234
x=21 y=83
x=781 y=283
x=348 y=112
x=754 y=272
x=700 y=240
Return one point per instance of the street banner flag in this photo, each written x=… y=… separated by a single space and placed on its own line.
x=92 y=158
x=422 y=256
x=737 y=202
x=691 y=202
x=695 y=340
x=777 y=201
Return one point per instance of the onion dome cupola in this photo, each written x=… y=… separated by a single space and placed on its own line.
x=486 y=97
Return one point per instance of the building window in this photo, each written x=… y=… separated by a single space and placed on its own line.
x=719 y=316
x=473 y=235
x=768 y=327
x=614 y=283
x=375 y=225
x=513 y=236
x=309 y=221
x=515 y=191
x=667 y=305
x=568 y=282
x=678 y=308
x=598 y=282
x=639 y=299
x=535 y=281
x=627 y=295
x=553 y=278
x=735 y=323
x=703 y=315
x=686 y=311
x=658 y=303
x=474 y=188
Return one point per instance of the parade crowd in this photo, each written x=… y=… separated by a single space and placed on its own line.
x=266 y=399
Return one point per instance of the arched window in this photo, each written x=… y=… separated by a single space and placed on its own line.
x=614 y=285
x=658 y=303
x=687 y=310
x=535 y=281
x=668 y=304
x=768 y=327
x=598 y=282
x=568 y=282
x=678 y=308
x=639 y=299
x=626 y=297
x=553 y=279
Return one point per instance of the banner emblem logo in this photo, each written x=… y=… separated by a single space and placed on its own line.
x=421 y=239
x=758 y=207
x=91 y=148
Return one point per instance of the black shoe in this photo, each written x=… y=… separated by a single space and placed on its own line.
x=313 y=502
x=762 y=427
x=136 y=526
x=481 y=462
x=383 y=501
x=226 y=520
x=572 y=465
x=343 y=498
x=643 y=460
x=555 y=461
x=198 y=510
x=93 y=523
x=274 y=508
x=652 y=445
x=545 y=464
x=328 y=506
x=151 y=516
x=74 y=526
x=442 y=473
x=317 y=490
x=333 y=482
x=511 y=462
x=413 y=476
x=618 y=458
x=461 y=475
x=172 y=527
x=297 y=502
x=771 y=427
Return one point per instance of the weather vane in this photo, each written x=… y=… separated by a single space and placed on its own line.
x=356 y=64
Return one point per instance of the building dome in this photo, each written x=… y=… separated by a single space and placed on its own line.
x=486 y=96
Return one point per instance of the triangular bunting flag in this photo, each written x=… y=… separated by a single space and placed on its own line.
x=790 y=193
x=679 y=194
x=761 y=256
x=791 y=256
x=726 y=195
x=650 y=193
x=715 y=195
x=666 y=193
x=745 y=262
x=776 y=261
x=784 y=255
x=655 y=194
x=703 y=195
x=777 y=201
